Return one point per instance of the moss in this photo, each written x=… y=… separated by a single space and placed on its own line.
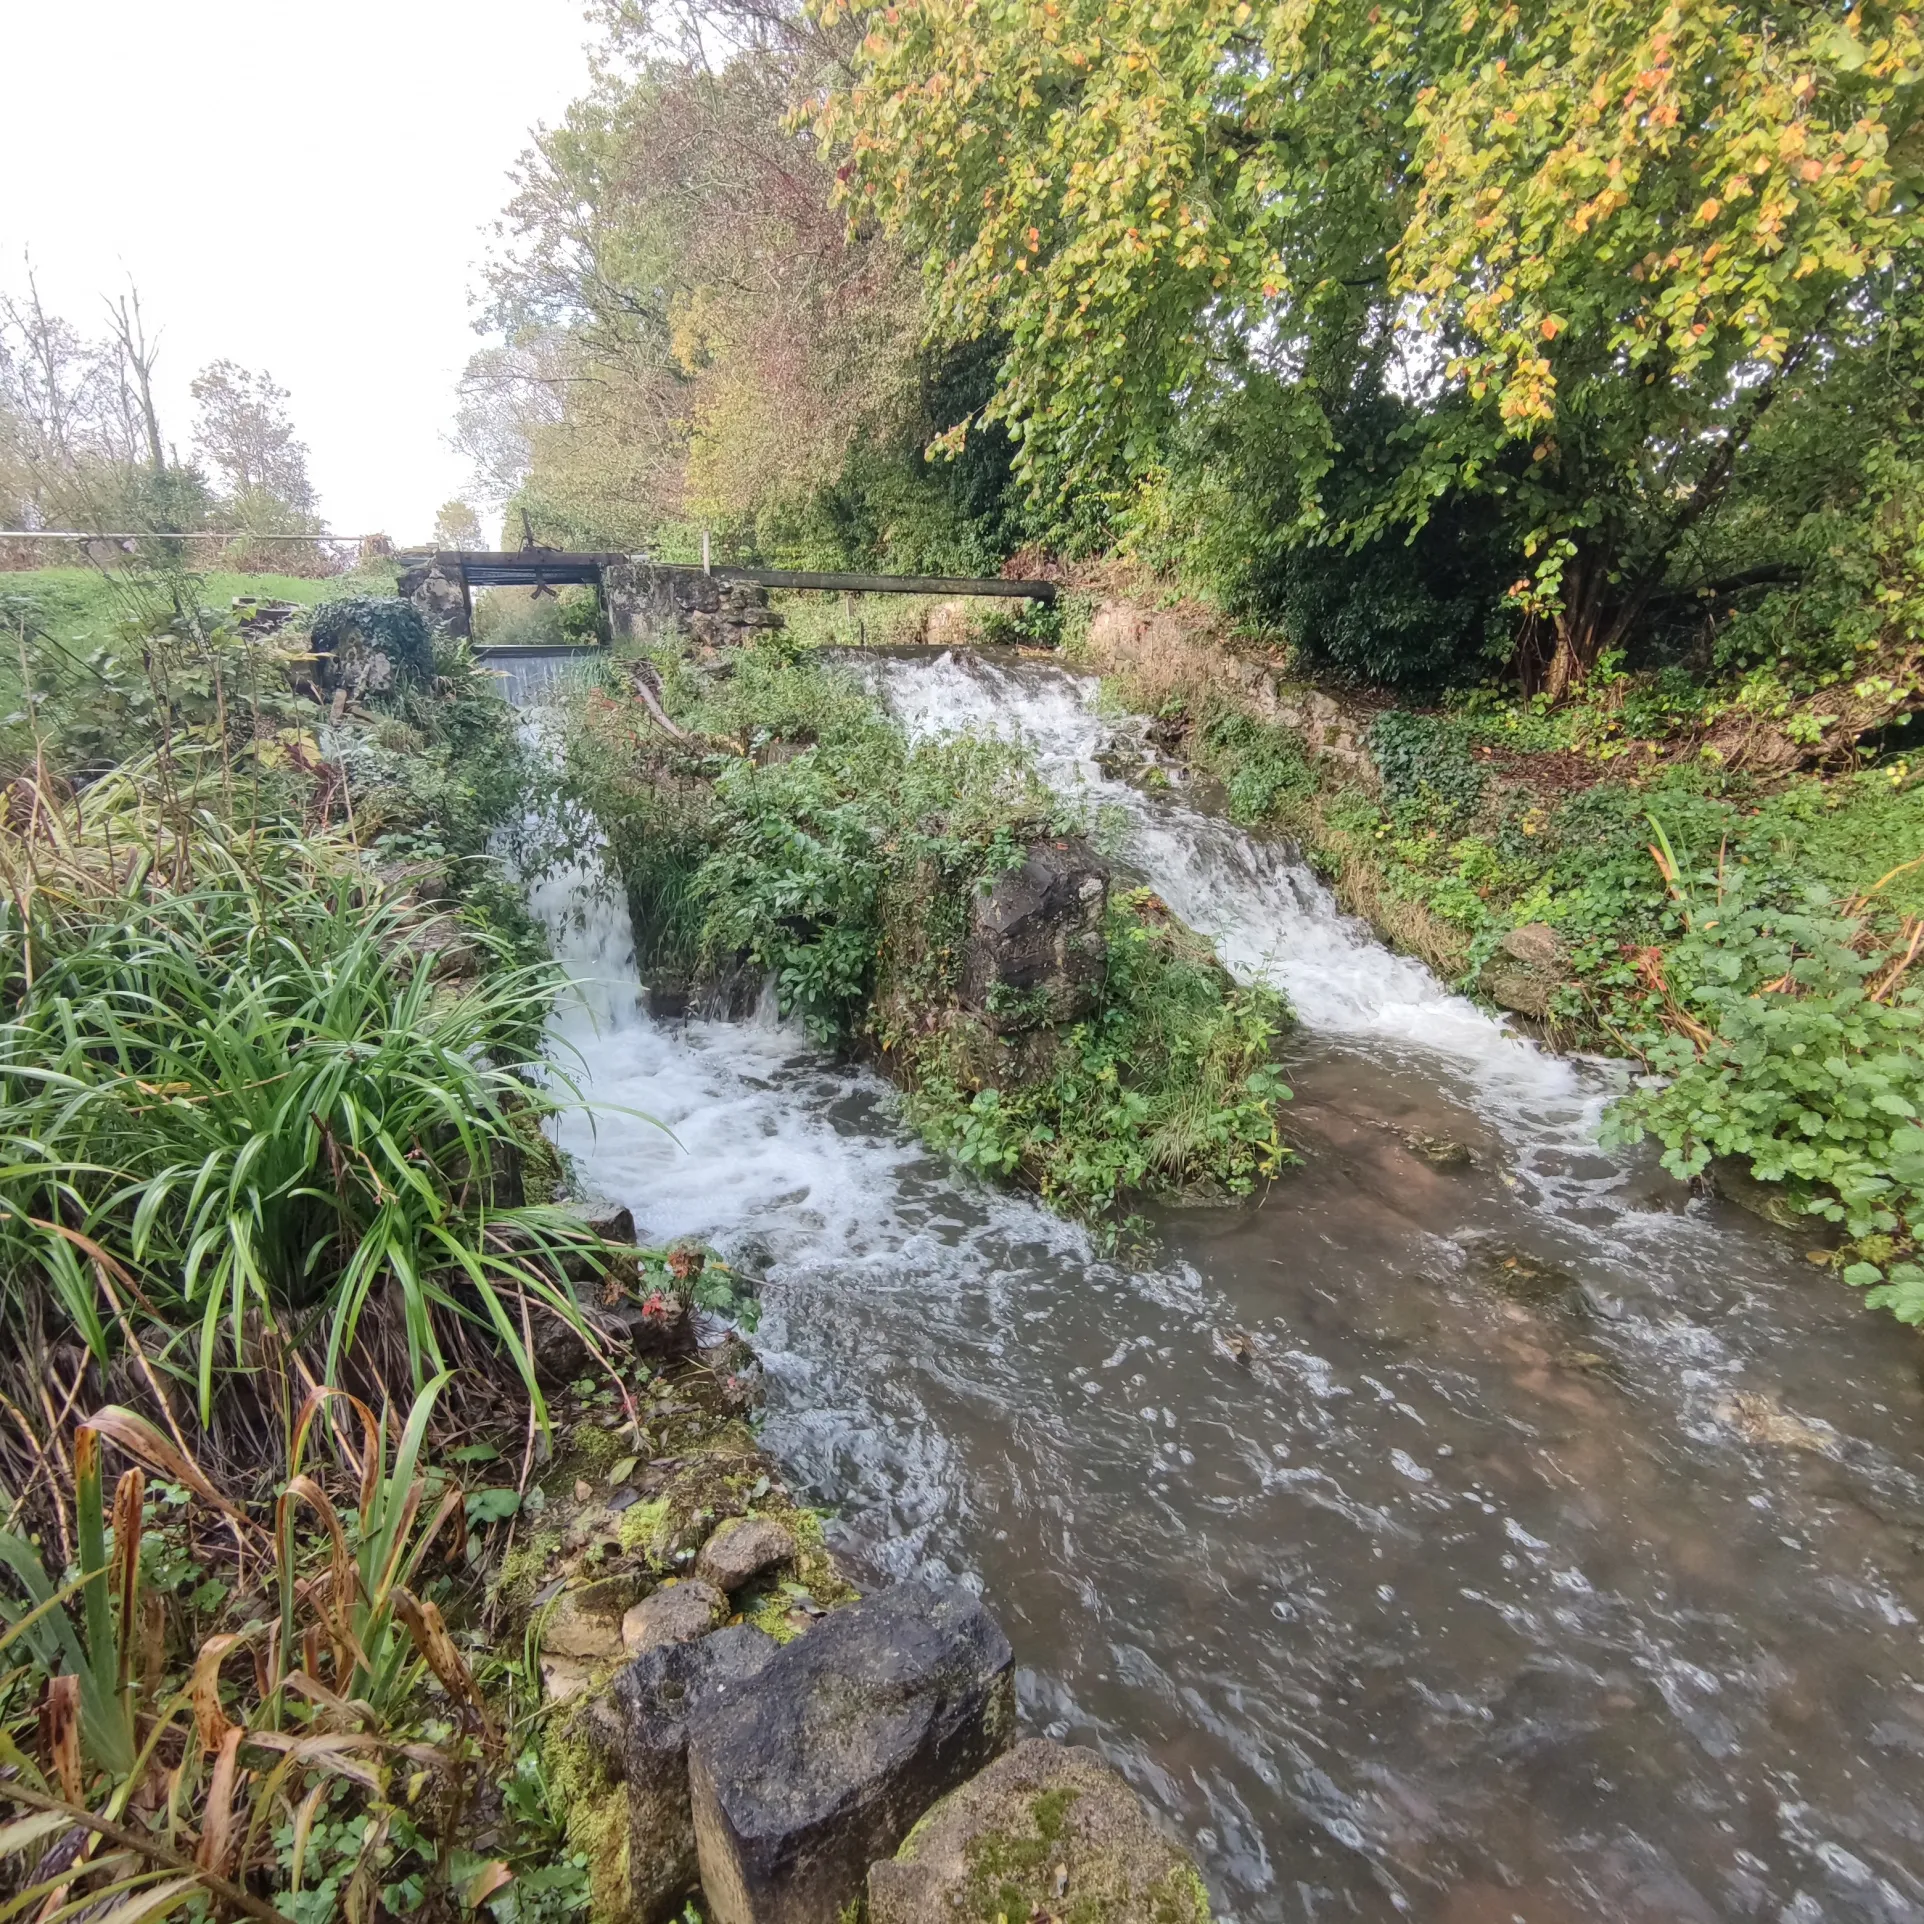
x=643 y=1525
x=998 y=1858
x=595 y=1805
x=814 y=1567
x=591 y=1450
x=523 y=1569
x=1012 y=1874
x=1180 y=1898
x=542 y=1173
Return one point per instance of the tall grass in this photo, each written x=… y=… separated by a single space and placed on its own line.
x=257 y=1101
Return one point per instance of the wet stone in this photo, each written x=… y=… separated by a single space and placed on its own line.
x=651 y=1702
x=848 y=1736
x=1035 y=954
x=676 y=1613
x=1045 y=1831
x=738 y=1553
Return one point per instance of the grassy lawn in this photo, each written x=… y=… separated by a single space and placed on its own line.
x=74 y=605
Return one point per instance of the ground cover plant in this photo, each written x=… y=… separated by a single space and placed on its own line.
x=271 y=1030
x=792 y=831
x=1697 y=882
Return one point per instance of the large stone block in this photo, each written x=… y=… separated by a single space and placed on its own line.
x=1045 y=1831
x=1035 y=952
x=849 y=1734
x=653 y=1701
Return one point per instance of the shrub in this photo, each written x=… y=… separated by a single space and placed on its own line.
x=1797 y=1051
x=370 y=624
x=1170 y=1088
x=1425 y=759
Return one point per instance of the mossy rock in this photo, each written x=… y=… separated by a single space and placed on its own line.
x=581 y=1760
x=1045 y=1831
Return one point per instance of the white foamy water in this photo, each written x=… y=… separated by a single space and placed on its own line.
x=1272 y=920
x=1269 y=916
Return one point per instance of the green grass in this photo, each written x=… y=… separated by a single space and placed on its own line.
x=263 y=1096
x=83 y=604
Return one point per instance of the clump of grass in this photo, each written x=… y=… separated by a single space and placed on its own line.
x=267 y=1096
x=1169 y=1089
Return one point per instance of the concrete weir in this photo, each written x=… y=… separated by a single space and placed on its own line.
x=637 y=591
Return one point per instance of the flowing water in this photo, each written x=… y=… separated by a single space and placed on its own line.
x=1477 y=1528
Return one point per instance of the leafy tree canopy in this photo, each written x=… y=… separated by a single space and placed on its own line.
x=1586 y=251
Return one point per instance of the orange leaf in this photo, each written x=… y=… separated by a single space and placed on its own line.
x=485 y=1882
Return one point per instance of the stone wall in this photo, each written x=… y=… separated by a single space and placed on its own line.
x=439 y=596
x=712 y=612
x=640 y=599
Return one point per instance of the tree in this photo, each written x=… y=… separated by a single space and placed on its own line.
x=1588 y=249
x=241 y=428
x=80 y=438
x=138 y=357
x=687 y=327
x=457 y=526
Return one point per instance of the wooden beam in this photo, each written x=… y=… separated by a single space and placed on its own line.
x=1043 y=591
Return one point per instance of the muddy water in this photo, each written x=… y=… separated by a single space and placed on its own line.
x=1475 y=1529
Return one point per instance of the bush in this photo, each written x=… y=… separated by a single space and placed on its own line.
x=1171 y=1088
x=1425 y=759
x=844 y=862
x=1793 y=1049
x=376 y=624
x=1259 y=764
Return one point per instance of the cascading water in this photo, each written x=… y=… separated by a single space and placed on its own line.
x=1436 y=1542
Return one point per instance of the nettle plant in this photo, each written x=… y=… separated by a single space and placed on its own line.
x=1795 y=1043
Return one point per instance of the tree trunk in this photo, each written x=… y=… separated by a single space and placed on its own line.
x=1580 y=626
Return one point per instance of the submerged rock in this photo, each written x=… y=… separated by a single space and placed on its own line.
x=1045 y=1831
x=1035 y=953
x=849 y=1734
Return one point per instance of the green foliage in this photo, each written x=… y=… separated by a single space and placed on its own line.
x=319 y=1813
x=1801 y=1060
x=369 y=624
x=1329 y=277
x=1170 y=1089
x=1425 y=760
x=844 y=861
x=1260 y=764
x=371 y=1616
x=260 y=1095
x=820 y=856
x=98 y=1651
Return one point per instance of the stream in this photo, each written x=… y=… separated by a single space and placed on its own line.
x=1476 y=1529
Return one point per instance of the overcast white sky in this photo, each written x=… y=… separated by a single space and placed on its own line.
x=297 y=186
